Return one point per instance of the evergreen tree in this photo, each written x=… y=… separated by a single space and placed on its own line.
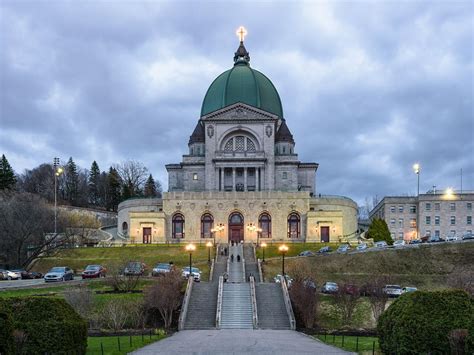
x=114 y=184
x=150 y=187
x=378 y=231
x=7 y=176
x=94 y=184
x=71 y=181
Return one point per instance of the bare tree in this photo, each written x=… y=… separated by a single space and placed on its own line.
x=165 y=295
x=115 y=314
x=26 y=220
x=118 y=280
x=80 y=227
x=462 y=277
x=346 y=300
x=133 y=175
x=82 y=300
x=376 y=296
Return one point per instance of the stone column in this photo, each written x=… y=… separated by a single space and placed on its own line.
x=257 y=172
x=221 y=172
x=233 y=179
x=245 y=179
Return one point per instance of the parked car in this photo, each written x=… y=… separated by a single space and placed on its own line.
x=452 y=238
x=329 y=287
x=306 y=253
x=288 y=279
x=409 y=289
x=435 y=239
x=29 y=274
x=161 y=269
x=392 y=290
x=324 y=250
x=415 y=241
x=14 y=274
x=361 y=247
x=134 y=268
x=195 y=272
x=4 y=274
x=350 y=289
x=399 y=243
x=381 y=244
x=60 y=273
x=94 y=271
x=467 y=236
x=343 y=248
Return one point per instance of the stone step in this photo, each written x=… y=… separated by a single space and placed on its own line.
x=202 y=306
x=271 y=308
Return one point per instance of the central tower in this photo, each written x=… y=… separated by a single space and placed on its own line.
x=241 y=141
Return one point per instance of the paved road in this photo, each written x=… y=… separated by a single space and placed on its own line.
x=5 y=284
x=242 y=341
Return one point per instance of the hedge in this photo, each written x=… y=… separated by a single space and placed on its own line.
x=6 y=333
x=420 y=322
x=50 y=325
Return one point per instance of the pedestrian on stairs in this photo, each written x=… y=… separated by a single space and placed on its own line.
x=238 y=258
x=226 y=276
x=232 y=258
x=225 y=251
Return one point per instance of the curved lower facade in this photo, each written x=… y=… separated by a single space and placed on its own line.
x=221 y=217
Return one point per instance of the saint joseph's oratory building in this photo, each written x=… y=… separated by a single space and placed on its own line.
x=241 y=179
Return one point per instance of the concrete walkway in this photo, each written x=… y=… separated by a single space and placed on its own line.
x=239 y=342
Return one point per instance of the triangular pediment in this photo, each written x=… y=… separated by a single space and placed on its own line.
x=239 y=112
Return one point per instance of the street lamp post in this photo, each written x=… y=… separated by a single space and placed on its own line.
x=190 y=248
x=209 y=245
x=57 y=171
x=417 y=170
x=264 y=245
x=283 y=249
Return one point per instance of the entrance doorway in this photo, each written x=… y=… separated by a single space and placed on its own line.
x=325 y=234
x=236 y=227
x=146 y=235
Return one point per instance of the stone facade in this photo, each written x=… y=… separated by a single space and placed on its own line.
x=241 y=173
x=438 y=214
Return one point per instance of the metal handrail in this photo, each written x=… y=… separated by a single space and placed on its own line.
x=211 y=272
x=243 y=270
x=254 y=302
x=219 y=302
x=184 y=307
x=260 y=272
x=286 y=299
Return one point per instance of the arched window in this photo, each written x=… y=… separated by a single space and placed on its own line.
x=265 y=224
x=207 y=223
x=239 y=144
x=294 y=225
x=125 y=228
x=178 y=226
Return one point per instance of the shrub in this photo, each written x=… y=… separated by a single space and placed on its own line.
x=6 y=333
x=420 y=322
x=46 y=325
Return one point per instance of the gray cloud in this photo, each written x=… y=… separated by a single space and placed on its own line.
x=367 y=88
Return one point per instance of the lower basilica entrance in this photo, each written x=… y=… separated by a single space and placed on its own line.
x=236 y=227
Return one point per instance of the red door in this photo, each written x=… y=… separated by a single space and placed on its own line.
x=325 y=234
x=146 y=235
x=236 y=227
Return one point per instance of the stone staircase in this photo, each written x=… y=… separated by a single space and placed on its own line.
x=236 y=306
x=235 y=267
x=202 y=306
x=251 y=267
x=271 y=308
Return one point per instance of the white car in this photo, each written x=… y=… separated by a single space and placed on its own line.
x=399 y=243
x=451 y=238
x=195 y=272
x=13 y=275
x=60 y=273
x=277 y=279
x=393 y=290
x=361 y=247
x=381 y=244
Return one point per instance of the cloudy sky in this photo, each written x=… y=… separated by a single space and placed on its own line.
x=368 y=88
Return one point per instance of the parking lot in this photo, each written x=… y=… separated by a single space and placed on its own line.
x=12 y=284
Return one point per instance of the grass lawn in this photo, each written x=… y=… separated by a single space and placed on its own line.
x=110 y=345
x=361 y=345
x=271 y=250
x=79 y=258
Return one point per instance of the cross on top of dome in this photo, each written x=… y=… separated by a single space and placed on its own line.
x=241 y=56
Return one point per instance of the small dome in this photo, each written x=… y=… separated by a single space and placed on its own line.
x=242 y=84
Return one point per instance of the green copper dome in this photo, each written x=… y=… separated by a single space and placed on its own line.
x=242 y=84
